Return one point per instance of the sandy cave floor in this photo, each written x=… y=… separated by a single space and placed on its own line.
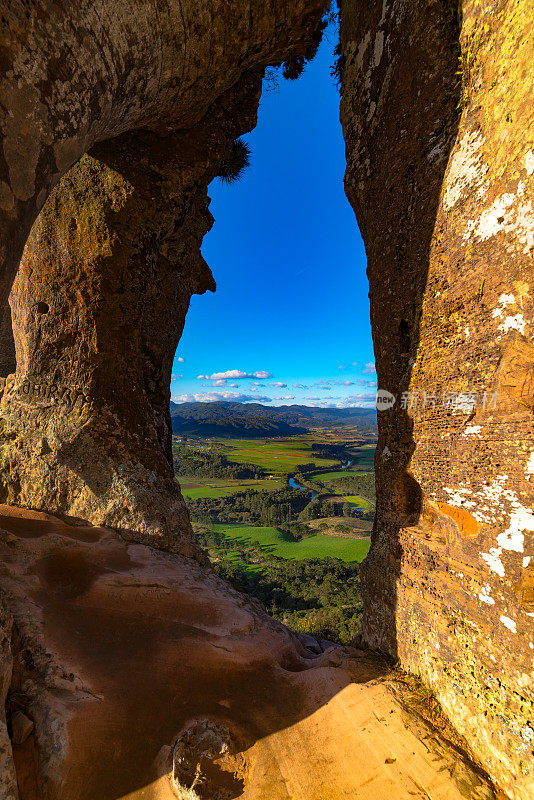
x=137 y=666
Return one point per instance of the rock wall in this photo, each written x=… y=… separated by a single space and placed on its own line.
x=98 y=308
x=113 y=260
x=109 y=268
x=438 y=118
x=8 y=781
x=74 y=75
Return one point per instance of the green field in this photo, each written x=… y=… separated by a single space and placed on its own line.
x=194 y=487
x=364 y=457
x=322 y=477
x=360 y=502
x=282 y=545
x=194 y=493
x=278 y=456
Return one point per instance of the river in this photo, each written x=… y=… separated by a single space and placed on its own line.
x=294 y=485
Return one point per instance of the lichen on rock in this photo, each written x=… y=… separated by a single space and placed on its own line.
x=438 y=132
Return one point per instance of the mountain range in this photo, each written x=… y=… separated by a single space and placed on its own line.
x=226 y=418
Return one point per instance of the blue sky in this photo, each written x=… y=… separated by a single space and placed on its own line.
x=289 y=322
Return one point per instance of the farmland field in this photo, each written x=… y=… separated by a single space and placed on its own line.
x=364 y=457
x=363 y=463
x=332 y=526
x=297 y=550
x=323 y=477
x=195 y=486
x=330 y=476
x=360 y=502
x=278 y=456
x=282 y=544
x=194 y=492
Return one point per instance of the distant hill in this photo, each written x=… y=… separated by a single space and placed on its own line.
x=225 y=418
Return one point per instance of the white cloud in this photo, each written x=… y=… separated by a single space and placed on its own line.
x=299 y=386
x=180 y=359
x=220 y=382
x=365 y=400
x=287 y=397
x=370 y=368
x=176 y=377
x=341 y=366
x=360 y=400
x=278 y=385
x=234 y=374
x=212 y=397
x=316 y=402
x=347 y=383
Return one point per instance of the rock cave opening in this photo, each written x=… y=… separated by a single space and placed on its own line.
x=292 y=296
x=108 y=152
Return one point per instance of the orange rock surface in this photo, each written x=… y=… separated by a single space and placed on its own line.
x=123 y=654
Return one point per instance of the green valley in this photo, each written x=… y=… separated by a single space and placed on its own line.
x=287 y=518
x=276 y=543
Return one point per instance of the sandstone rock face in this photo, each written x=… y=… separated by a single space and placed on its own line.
x=74 y=75
x=8 y=781
x=102 y=291
x=438 y=118
x=98 y=308
x=106 y=282
x=146 y=676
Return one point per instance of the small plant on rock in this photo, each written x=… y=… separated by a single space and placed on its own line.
x=234 y=162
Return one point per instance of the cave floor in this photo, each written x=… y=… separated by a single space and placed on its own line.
x=136 y=665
